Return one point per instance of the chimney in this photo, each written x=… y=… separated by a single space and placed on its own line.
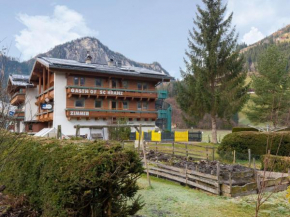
x=89 y=58
x=111 y=62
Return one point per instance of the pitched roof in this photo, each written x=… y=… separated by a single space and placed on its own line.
x=54 y=63
x=19 y=80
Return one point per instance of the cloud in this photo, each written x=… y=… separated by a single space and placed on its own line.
x=44 y=32
x=252 y=36
x=266 y=15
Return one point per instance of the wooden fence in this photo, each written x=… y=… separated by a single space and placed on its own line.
x=194 y=151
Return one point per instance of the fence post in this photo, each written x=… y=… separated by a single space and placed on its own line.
x=213 y=150
x=206 y=153
x=140 y=134
x=145 y=161
x=156 y=148
x=231 y=181
x=77 y=131
x=234 y=161
x=218 y=177
x=249 y=153
x=186 y=173
x=58 y=131
x=172 y=149
x=186 y=151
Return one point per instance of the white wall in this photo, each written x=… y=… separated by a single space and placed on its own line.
x=59 y=115
x=30 y=108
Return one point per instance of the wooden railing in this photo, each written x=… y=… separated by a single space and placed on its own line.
x=17 y=99
x=45 y=116
x=102 y=113
x=111 y=92
x=49 y=93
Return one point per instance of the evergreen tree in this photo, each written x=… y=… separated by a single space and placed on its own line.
x=214 y=80
x=272 y=97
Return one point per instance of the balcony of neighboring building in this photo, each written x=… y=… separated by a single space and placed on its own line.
x=19 y=114
x=18 y=97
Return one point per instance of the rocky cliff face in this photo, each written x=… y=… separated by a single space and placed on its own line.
x=77 y=50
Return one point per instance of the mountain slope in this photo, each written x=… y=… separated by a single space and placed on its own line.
x=77 y=50
x=281 y=38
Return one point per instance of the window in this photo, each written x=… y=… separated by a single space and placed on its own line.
x=80 y=103
x=76 y=81
x=145 y=86
x=142 y=86
x=114 y=105
x=139 y=105
x=98 y=82
x=125 y=105
x=145 y=106
x=125 y=84
x=139 y=86
x=82 y=81
x=30 y=127
x=142 y=105
x=114 y=84
x=98 y=104
x=79 y=81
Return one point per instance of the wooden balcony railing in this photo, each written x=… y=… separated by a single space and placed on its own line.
x=102 y=113
x=17 y=99
x=49 y=93
x=19 y=114
x=109 y=92
x=45 y=116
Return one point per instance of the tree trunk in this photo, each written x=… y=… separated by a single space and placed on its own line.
x=213 y=129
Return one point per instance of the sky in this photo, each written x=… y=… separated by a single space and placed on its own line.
x=142 y=30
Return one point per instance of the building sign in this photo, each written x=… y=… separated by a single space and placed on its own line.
x=11 y=113
x=46 y=106
x=79 y=113
x=97 y=92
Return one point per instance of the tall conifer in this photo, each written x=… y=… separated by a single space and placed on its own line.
x=214 y=80
x=272 y=89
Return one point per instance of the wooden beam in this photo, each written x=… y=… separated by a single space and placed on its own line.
x=44 y=79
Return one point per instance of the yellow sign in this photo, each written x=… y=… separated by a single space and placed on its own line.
x=181 y=136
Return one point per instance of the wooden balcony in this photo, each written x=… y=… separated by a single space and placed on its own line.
x=112 y=93
x=47 y=94
x=45 y=116
x=102 y=113
x=19 y=114
x=17 y=99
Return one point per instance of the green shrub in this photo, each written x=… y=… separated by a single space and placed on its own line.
x=69 y=178
x=240 y=129
x=257 y=142
x=275 y=163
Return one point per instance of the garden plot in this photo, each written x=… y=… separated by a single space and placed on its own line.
x=211 y=176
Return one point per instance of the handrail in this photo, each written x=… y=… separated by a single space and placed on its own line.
x=44 y=92
x=115 y=89
x=105 y=110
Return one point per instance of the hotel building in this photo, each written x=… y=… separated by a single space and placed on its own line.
x=69 y=93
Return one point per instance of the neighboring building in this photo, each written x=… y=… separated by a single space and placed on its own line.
x=16 y=87
x=70 y=93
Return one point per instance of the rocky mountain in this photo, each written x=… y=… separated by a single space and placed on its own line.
x=252 y=52
x=77 y=50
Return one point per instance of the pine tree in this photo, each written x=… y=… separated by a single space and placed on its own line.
x=214 y=80
x=271 y=85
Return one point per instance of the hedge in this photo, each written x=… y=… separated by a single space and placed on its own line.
x=275 y=163
x=240 y=129
x=72 y=178
x=257 y=142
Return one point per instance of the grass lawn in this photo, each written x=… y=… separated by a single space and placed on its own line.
x=168 y=199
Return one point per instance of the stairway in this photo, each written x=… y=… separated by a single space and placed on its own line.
x=46 y=132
